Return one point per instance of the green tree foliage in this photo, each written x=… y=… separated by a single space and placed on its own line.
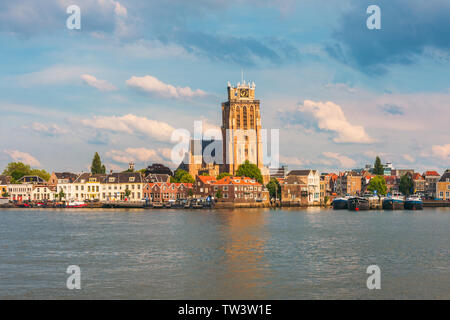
x=377 y=184
x=274 y=188
x=406 y=185
x=61 y=195
x=250 y=170
x=219 y=194
x=182 y=176
x=5 y=194
x=97 y=167
x=378 y=167
x=223 y=175
x=127 y=192
x=18 y=169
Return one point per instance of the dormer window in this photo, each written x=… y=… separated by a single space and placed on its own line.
x=131 y=179
x=112 y=179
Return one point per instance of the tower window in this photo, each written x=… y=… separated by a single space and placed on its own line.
x=245 y=118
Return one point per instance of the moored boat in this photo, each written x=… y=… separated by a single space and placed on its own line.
x=340 y=203
x=413 y=202
x=394 y=202
x=76 y=204
x=358 y=203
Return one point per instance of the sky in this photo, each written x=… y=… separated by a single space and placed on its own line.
x=338 y=92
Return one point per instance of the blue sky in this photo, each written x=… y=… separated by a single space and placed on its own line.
x=338 y=92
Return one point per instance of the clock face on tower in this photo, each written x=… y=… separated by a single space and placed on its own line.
x=243 y=93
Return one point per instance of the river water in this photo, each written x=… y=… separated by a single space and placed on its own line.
x=312 y=253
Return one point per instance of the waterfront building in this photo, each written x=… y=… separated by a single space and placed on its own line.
x=165 y=192
x=20 y=191
x=202 y=186
x=43 y=192
x=63 y=181
x=350 y=183
x=115 y=185
x=431 y=179
x=312 y=180
x=238 y=190
x=23 y=189
x=419 y=183
x=443 y=186
x=294 y=190
x=330 y=180
x=86 y=187
x=4 y=181
x=392 y=183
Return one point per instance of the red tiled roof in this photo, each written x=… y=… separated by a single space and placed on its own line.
x=431 y=173
x=206 y=179
x=237 y=181
x=417 y=176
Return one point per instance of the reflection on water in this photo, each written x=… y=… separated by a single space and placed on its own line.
x=225 y=254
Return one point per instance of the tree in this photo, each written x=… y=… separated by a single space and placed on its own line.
x=377 y=184
x=5 y=194
x=97 y=167
x=127 y=193
x=274 y=188
x=250 y=170
x=61 y=195
x=18 y=169
x=406 y=185
x=204 y=174
x=378 y=167
x=219 y=194
x=223 y=175
x=182 y=176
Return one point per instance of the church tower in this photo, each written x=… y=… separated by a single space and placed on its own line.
x=241 y=128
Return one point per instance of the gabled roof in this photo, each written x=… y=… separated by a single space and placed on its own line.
x=237 y=181
x=66 y=175
x=206 y=179
x=31 y=179
x=445 y=176
x=431 y=173
x=417 y=176
x=123 y=177
x=87 y=176
x=301 y=172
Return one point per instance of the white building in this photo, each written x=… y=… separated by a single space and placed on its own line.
x=312 y=180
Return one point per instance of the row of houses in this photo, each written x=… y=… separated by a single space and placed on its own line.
x=309 y=187
x=130 y=186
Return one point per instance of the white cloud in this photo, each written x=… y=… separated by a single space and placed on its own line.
x=293 y=161
x=132 y=124
x=329 y=116
x=344 y=161
x=51 y=129
x=155 y=86
x=99 y=84
x=120 y=10
x=441 y=151
x=140 y=155
x=54 y=75
x=24 y=157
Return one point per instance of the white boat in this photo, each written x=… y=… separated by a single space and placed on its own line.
x=76 y=204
